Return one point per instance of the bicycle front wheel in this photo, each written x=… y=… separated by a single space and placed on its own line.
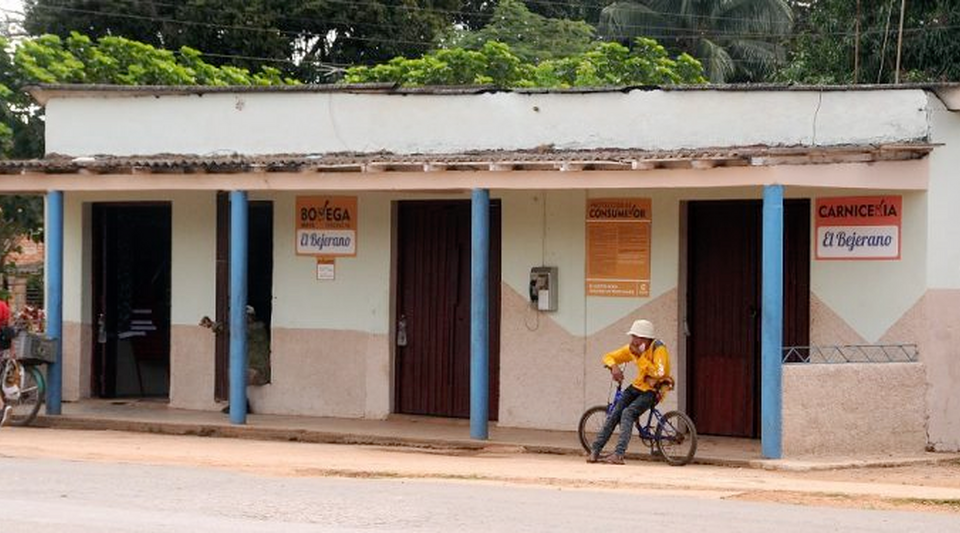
x=676 y=438
x=32 y=392
x=590 y=425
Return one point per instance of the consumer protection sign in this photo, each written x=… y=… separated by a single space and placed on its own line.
x=859 y=228
x=618 y=247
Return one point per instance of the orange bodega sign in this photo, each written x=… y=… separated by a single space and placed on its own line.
x=326 y=225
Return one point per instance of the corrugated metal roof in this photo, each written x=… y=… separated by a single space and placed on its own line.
x=544 y=158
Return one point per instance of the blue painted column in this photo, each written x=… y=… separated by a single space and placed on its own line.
x=54 y=291
x=479 y=313
x=238 y=307
x=771 y=343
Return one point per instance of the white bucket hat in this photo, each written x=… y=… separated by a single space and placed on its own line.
x=642 y=328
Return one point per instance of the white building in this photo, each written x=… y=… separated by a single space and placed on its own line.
x=871 y=249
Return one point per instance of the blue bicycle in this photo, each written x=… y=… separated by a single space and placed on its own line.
x=672 y=433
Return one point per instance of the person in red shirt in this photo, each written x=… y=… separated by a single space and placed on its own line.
x=6 y=337
x=4 y=314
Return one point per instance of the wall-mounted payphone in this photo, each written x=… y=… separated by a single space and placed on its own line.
x=543 y=288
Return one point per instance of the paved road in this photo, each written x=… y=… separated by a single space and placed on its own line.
x=54 y=495
x=860 y=486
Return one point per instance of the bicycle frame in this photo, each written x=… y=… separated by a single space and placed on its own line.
x=671 y=434
x=647 y=431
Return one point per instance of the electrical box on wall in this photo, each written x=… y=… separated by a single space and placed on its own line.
x=543 y=288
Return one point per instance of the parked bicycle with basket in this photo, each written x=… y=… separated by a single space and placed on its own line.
x=671 y=434
x=22 y=384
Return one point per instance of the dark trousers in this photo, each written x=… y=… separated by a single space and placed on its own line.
x=633 y=403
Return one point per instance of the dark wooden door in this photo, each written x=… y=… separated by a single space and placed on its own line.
x=131 y=304
x=723 y=308
x=433 y=299
x=723 y=315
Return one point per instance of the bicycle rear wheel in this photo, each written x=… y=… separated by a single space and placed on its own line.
x=590 y=425
x=32 y=392
x=676 y=438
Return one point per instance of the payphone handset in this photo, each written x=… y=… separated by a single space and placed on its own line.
x=543 y=288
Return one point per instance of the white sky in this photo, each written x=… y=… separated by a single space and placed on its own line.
x=13 y=5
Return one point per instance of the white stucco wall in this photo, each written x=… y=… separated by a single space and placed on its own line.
x=854 y=409
x=943 y=231
x=941 y=345
x=77 y=328
x=193 y=293
x=193 y=273
x=305 y=122
x=542 y=354
x=330 y=350
x=353 y=301
x=870 y=296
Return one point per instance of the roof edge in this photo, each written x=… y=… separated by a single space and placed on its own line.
x=43 y=93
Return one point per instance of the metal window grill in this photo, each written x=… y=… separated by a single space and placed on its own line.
x=852 y=353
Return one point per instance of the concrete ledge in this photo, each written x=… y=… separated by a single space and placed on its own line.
x=854 y=409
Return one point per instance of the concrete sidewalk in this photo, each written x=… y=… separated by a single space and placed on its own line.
x=154 y=416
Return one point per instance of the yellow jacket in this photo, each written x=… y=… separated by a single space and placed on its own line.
x=652 y=365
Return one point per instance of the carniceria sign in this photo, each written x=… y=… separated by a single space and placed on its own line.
x=326 y=226
x=859 y=228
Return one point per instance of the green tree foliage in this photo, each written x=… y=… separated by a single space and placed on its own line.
x=824 y=45
x=6 y=117
x=602 y=65
x=19 y=216
x=531 y=37
x=109 y=60
x=301 y=37
x=735 y=40
x=19 y=136
x=78 y=59
x=121 y=61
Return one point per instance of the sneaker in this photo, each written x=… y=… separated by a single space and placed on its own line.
x=613 y=459
x=6 y=415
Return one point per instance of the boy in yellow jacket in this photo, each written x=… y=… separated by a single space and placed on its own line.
x=653 y=365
